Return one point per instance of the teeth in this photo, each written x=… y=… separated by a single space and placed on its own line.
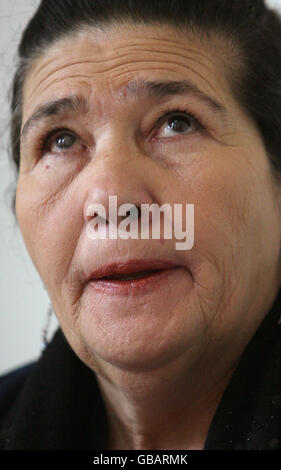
x=130 y=276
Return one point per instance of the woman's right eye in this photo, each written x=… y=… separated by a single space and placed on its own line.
x=61 y=142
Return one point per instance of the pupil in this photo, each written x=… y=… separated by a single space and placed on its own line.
x=66 y=141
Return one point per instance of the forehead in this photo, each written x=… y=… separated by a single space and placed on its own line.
x=101 y=62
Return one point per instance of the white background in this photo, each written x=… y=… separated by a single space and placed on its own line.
x=23 y=300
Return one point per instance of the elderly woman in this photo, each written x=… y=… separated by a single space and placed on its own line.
x=173 y=102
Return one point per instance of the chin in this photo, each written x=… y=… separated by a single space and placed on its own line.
x=140 y=350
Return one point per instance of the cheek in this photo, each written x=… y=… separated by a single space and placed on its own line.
x=233 y=207
x=220 y=192
x=51 y=223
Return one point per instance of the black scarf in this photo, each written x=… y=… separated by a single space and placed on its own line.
x=59 y=405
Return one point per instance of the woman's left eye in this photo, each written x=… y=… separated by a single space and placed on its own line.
x=177 y=124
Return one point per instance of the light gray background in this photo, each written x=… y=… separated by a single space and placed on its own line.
x=23 y=300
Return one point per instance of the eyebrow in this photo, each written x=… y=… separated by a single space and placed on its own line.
x=136 y=89
x=157 y=89
x=57 y=107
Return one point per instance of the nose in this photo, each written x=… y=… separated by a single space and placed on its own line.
x=117 y=173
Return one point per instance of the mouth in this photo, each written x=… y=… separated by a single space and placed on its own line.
x=134 y=269
x=134 y=277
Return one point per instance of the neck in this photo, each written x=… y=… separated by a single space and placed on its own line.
x=168 y=408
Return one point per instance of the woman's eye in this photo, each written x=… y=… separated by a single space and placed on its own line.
x=176 y=124
x=63 y=141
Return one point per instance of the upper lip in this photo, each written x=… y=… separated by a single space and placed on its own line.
x=132 y=266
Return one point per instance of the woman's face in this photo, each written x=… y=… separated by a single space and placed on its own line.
x=111 y=137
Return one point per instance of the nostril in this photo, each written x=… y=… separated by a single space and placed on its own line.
x=91 y=217
x=96 y=220
x=128 y=213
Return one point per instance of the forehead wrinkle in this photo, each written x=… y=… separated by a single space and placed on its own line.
x=111 y=59
x=170 y=49
x=175 y=48
x=116 y=70
x=87 y=61
x=188 y=59
x=61 y=80
x=179 y=51
x=168 y=43
x=117 y=75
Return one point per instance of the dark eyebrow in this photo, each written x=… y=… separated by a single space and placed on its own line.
x=135 y=88
x=141 y=88
x=54 y=108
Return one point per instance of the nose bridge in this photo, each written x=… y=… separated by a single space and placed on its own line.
x=118 y=148
x=117 y=170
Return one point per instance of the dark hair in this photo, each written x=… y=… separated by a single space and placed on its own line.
x=250 y=27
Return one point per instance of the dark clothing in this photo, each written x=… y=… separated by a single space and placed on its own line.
x=55 y=403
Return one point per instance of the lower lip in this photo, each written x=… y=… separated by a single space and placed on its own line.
x=134 y=286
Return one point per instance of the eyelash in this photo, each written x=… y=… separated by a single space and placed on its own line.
x=45 y=139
